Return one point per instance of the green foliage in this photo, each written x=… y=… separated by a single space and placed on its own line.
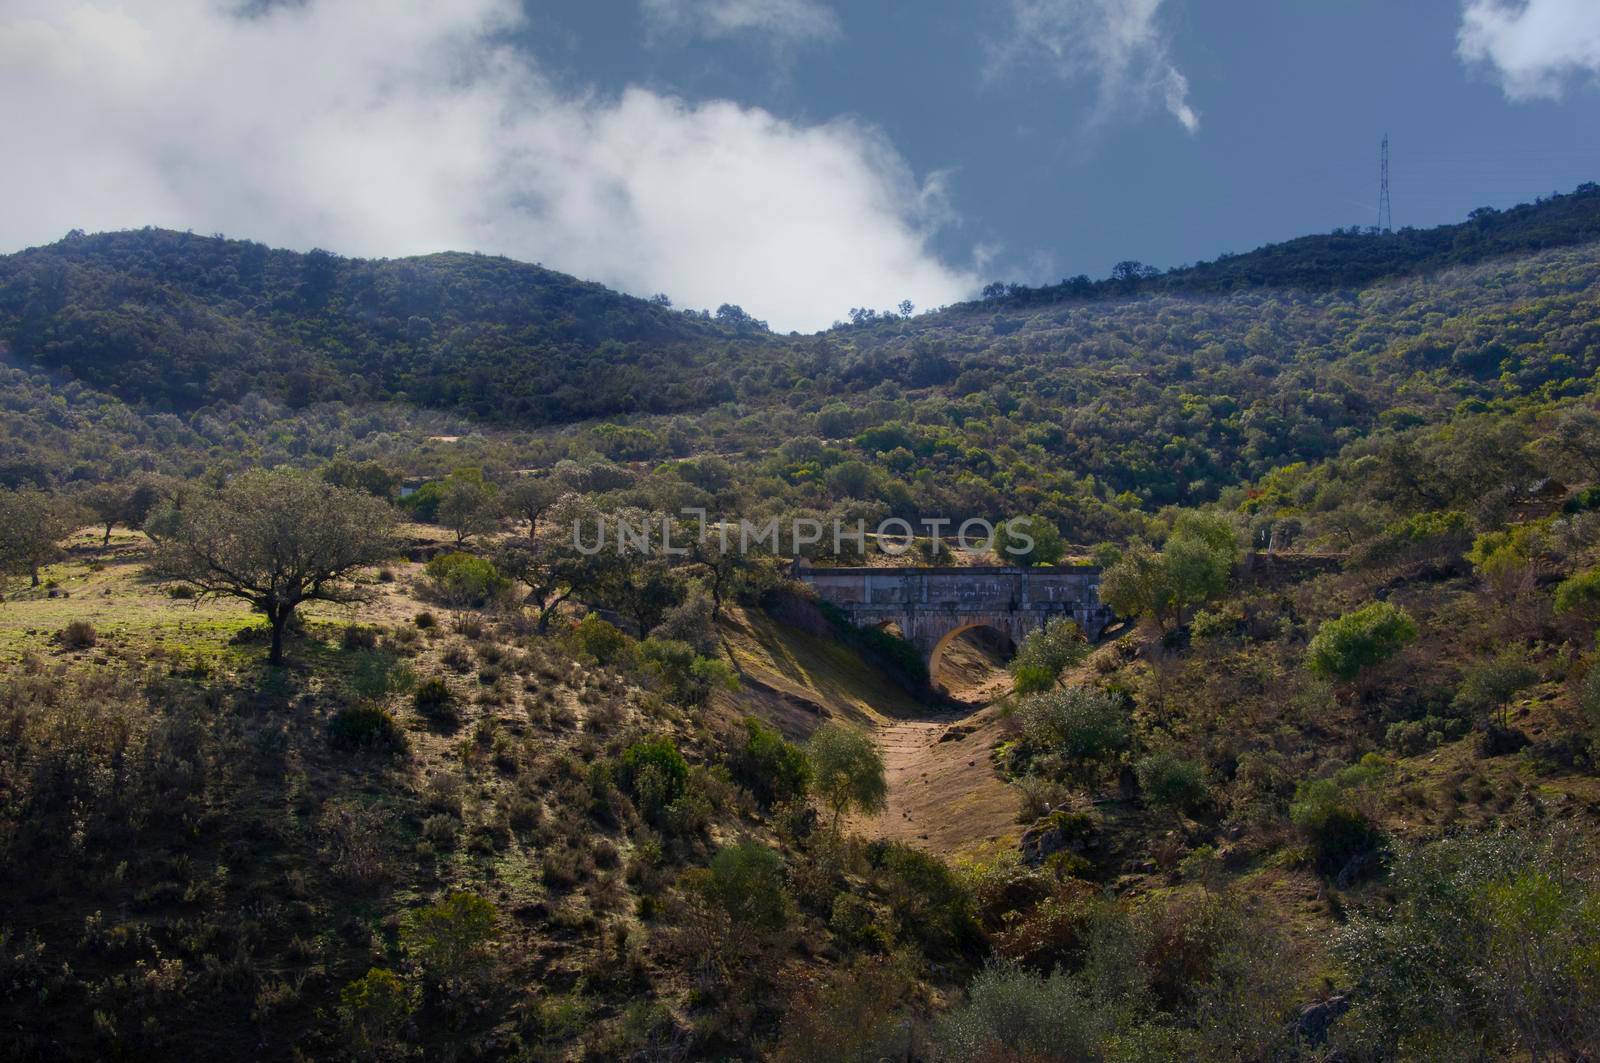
x=1338 y=831
x=1046 y=653
x=1084 y=725
x=1487 y=951
x=654 y=773
x=365 y=726
x=771 y=768
x=846 y=770
x=747 y=882
x=1029 y=541
x=930 y=904
x=1172 y=781
x=465 y=581
x=373 y=1009
x=1491 y=682
x=1194 y=566
x=1348 y=645
x=600 y=639
x=683 y=675
x=1579 y=596
x=452 y=940
x=1012 y=1014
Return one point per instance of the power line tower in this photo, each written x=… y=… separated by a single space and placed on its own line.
x=1385 y=214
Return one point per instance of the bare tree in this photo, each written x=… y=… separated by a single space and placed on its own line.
x=275 y=540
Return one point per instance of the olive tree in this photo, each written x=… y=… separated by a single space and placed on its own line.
x=847 y=770
x=276 y=540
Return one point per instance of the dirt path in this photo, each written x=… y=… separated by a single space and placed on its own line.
x=945 y=796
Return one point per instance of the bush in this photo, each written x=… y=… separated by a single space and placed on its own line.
x=685 y=678
x=372 y=1009
x=1045 y=654
x=358 y=637
x=1489 y=685
x=452 y=940
x=655 y=774
x=78 y=635
x=1346 y=646
x=434 y=701
x=600 y=639
x=1579 y=596
x=365 y=726
x=425 y=620
x=847 y=770
x=465 y=581
x=1085 y=725
x=772 y=769
x=1337 y=831
x=1487 y=939
x=1172 y=782
x=746 y=881
x=1011 y=1014
x=930 y=904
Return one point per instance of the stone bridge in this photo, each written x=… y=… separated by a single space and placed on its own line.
x=931 y=606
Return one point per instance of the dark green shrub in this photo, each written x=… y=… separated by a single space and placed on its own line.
x=654 y=773
x=1337 y=831
x=600 y=639
x=930 y=905
x=434 y=701
x=771 y=768
x=1348 y=645
x=746 y=881
x=1172 y=781
x=365 y=726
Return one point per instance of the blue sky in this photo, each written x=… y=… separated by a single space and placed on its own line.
x=798 y=157
x=1293 y=99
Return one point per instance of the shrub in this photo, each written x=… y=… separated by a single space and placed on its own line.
x=1085 y=725
x=684 y=677
x=78 y=635
x=465 y=581
x=452 y=939
x=1489 y=685
x=1011 y=1014
x=1045 y=654
x=930 y=904
x=358 y=637
x=746 y=881
x=847 y=770
x=1346 y=646
x=654 y=773
x=855 y=923
x=600 y=639
x=1337 y=831
x=372 y=1009
x=1172 y=781
x=1579 y=596
x=365 y=726
x=771 y=768
x=1486 y=951
x=425 y=620
x=434 y=701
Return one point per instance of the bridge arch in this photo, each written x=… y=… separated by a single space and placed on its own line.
x=933 y=605
x=935 y=654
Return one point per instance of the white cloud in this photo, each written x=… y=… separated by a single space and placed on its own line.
x=318 y=124
x=783 y=22
x=1538 y=47
x=1118 y=44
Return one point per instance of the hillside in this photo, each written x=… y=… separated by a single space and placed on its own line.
x=1330 y=788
